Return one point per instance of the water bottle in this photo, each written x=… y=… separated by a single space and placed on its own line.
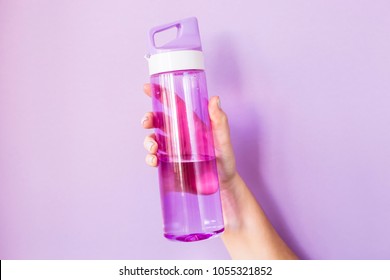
x=188 y=177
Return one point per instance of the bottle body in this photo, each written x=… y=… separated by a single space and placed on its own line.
x=189 y=187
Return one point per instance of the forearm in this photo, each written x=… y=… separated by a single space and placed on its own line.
x=248 y=233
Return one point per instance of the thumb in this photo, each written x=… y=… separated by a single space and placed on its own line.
x=222 y=143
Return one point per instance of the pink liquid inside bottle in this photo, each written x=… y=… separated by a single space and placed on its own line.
x=188 y=176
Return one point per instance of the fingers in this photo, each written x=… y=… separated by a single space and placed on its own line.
x=220 y=125
x=151 y=160
x=222 y=142
x=148 y=90
x=147 y=120
x=150 y=143
x=151 y=146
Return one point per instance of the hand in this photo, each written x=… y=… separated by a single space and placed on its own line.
x=248 y=233
x=223 y=148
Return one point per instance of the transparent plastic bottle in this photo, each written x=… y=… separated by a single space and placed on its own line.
x=189 y=187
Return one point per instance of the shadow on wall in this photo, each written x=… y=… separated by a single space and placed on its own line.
x=246 y=133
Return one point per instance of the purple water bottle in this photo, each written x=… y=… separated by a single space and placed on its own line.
x=189 y=187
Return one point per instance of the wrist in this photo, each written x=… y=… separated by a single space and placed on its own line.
x=230 y=185
x=231 y=197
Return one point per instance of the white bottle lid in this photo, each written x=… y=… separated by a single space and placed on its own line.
x=175 y=60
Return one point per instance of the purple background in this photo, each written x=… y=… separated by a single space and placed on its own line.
x=306 y=85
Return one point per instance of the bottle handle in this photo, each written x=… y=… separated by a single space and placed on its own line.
x=187 y=37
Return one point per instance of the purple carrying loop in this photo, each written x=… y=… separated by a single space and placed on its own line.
x=187 y=37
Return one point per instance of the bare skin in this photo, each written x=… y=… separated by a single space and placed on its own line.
x=248 y=233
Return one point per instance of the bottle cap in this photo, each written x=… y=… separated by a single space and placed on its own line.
x=184 y=52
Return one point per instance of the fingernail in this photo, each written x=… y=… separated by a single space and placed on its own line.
x=144 y=119
x=149 y=145
x=219 y=103
x=151 y=159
